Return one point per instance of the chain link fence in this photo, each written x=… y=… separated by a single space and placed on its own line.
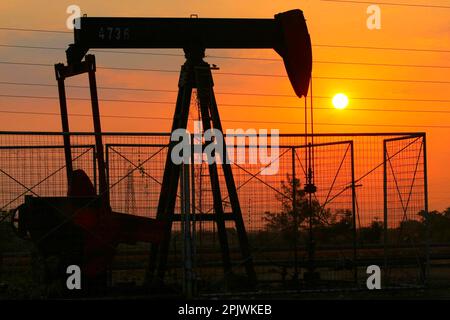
x=370 y=208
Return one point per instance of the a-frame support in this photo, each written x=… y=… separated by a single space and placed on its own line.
x=196 y=73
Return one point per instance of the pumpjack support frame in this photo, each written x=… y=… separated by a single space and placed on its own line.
x=287 y=34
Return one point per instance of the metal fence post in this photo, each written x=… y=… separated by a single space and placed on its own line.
x=295 y=213
x=186 y=230
x=193 y=219
x=427 y=217
x=385 y=211
x=355 y=232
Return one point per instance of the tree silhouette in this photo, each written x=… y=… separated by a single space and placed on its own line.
x=295 y=215
x=438 y=224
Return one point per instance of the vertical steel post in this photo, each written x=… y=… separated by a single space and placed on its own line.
x=107 y=165
x=64 y=120
x=109 y=270
x=193 y=219
x=311 y=247
x=355 y=234
x=103 y=187
x=295 y=216
x=186 y=228
x=385 y=211
x=94 y=167
x=427 y=217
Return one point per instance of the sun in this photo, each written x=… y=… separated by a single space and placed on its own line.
x=340 y=101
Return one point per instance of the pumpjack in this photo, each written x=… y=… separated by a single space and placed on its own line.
x=89 y=230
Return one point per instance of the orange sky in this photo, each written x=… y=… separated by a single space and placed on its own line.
x=329 y=23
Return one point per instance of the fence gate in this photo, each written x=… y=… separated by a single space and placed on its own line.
x=405 y=202
x=330 y=256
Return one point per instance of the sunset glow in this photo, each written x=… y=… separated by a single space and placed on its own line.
x=340 y=101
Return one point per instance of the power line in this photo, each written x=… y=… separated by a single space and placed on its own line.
x=87 y=99
x=383 y=48
x=34 y=30
x=230 y=120
x=87 y=87
x=27 y=64
x=219 y=92
x=241 y=74
x=382 y=64
x=110 y=51
x=391 y=4
x=228 y=105
x=314 y=45
x=240 y=58
x=319 y=77
x=375 y=79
